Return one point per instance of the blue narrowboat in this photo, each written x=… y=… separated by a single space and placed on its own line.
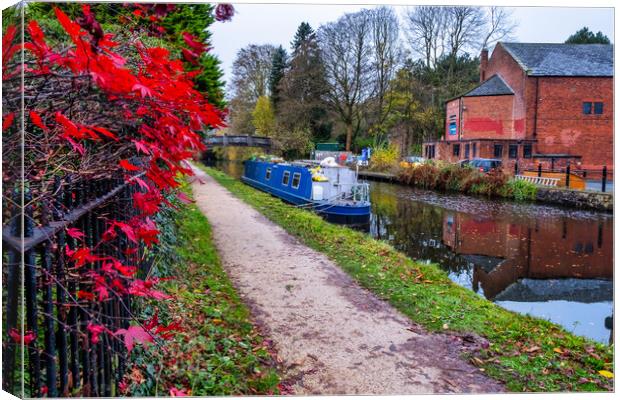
x=329 y=189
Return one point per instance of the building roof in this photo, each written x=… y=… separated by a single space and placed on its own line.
x=494 y=86
x=560 y=59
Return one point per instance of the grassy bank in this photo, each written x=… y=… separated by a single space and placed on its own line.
x=219 y=352
x=528 y=354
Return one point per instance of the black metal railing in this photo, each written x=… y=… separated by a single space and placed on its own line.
x=41 y=286
x=599 y=179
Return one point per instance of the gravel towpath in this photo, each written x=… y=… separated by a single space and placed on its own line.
x=333 y=336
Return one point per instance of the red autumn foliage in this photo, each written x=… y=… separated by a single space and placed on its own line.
x=28 y=337
x=127 y=102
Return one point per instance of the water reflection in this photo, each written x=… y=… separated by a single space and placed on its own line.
x=544 y=261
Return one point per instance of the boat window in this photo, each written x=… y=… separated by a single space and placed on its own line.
x=285 y=177
x=296 y=180
x=268 y=174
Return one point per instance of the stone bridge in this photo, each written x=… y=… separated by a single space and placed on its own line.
x=238 y=140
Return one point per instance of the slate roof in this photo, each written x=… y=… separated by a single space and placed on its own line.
x=494 y=86
x=559 y=59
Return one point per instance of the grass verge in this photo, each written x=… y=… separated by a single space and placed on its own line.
x=219 y=352
x=526 y=353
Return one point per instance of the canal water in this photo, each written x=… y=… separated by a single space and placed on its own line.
x=545 y=261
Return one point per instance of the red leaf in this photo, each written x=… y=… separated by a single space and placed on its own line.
x=67 y=124
x=174 y=392
x=95 y=331
x=127 y=230
x=153 y=322
x=142 y=184
x=105 y=132
x=128 y=166
x=141 y=147
x=36 y=119
x=144 y=90
x=7 y=121
x=192 y=42
x=190 y=56
x=125 y=270
x=134 y=334
x=76 y=146
x=101 y=288
x=83 y=294
x=75 y=233
x=71 y=27
x=17 y=337
x=183 y=197
x=110 y=233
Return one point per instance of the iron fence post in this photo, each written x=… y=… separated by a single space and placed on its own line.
x=539 y=170
x=30 y=284
x=14 y=277
x=61 y=335
x=568 y=176
x=604 y=180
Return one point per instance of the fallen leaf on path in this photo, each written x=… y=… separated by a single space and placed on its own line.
x=606 y=374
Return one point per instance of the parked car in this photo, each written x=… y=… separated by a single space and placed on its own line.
x=484 y=164
x=412 y=161
x=463 y=163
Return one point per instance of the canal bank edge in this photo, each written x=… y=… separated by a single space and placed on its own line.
x=576 y=198
x=527 y=354
x=581 y=199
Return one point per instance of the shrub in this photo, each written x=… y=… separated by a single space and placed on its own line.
x=384 y=158
x=451 y=177
x=522 y=190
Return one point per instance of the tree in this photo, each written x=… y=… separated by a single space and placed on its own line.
x=251 y=70
x=303 y=88
x=250 y=80
x=278 y=65
x=499 y=25
x=263 y=117
x=302 y=35
x=346 y=54
x=424 y=28
x=463 y=25
x=585 y=36
x=385 y=47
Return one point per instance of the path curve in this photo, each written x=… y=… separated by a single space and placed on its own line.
x=333 y=336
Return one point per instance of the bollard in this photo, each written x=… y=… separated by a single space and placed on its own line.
x=568 y=176
x=604 y=181
x=539 y=170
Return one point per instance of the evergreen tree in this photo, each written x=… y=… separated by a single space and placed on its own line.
x=586 y=36
x=278 y=66
x=303 y=88
x=303 y=34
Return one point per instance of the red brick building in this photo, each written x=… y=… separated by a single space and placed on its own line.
x=536 y=103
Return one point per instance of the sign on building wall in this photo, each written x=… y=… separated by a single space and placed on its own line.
x=452 y=125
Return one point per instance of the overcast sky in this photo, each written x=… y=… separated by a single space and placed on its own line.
x=276 y=24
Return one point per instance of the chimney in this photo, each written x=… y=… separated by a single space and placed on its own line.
x=484 y=62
